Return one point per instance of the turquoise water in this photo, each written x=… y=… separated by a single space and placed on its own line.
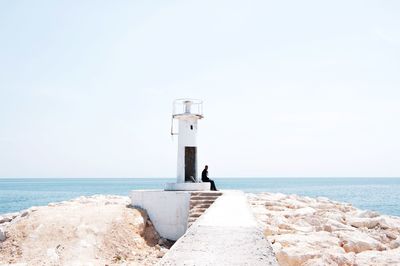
x=379 y=194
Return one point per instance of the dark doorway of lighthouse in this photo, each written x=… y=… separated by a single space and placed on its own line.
x=190 y=164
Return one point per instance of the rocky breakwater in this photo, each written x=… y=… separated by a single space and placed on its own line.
x=319 y=231
x=97 y=230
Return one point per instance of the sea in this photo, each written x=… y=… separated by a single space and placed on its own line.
x=377 y=194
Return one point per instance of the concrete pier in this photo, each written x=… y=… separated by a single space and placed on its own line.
x=226 y=234
x=173 y=211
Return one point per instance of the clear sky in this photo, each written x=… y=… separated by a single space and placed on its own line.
x=290 y=88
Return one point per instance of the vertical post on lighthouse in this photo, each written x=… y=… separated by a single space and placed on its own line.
x=187 y=112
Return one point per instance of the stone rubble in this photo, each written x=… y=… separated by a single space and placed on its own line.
x=95 y=230
x=318 y=231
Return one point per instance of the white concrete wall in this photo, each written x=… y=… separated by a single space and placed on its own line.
x=202 y=186
x=186 y=138
x=168 y=210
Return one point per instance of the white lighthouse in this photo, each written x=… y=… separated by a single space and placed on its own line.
x=187 y=112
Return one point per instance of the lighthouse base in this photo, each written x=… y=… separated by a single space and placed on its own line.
x=205 y=186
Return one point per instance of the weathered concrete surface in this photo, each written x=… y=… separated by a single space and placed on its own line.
x=226 y=234
x=188 y=186
x=168 y=210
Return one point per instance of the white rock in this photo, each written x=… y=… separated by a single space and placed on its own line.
x=315 y=239
x=271 y=230
x=160 y=254
x=327 y=228
x=323 y=199
x=305 y=211
x=332 y=259
x=338 y=226
x=139 y=222
x=362 y=222
x=391 y=235
x=295 y=256
x=305 y=231
x=386 y=221
x=2 y=234
x=4 y=219
x=277 y=246
x=12 y=215
x=309 y=220
x=334 y=215
x=52 y=255
x=344 y=207
x=5 y=225
x=375 y=258
x=323 y=206
x=293 y=204
x=309 y=200
x=297 y=249
x=380 y=221
x=33 y=209
x=302 y=229
x=355 y=241
x=395 y=243
x=24 y=213
x=278 y=220
x=379 y=235
x=273 y=196
x=367 y=214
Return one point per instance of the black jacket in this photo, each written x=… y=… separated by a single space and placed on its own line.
x=204 y=175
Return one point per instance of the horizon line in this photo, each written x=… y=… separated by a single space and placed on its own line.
x=222 y=177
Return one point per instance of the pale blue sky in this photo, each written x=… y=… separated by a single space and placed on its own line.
x=290 y=88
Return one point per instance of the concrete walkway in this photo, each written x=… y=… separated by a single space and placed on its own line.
x=226 y=234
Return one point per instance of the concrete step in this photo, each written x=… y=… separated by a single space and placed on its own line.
x=199 y=208
x=195 y=215
x=203 y=198
x=210 y=194
x=207 y=192
x=206 y=201
x=197 y=211
x=206 y=205
x=200 y=205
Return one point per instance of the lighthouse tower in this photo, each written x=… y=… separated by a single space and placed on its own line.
x=187 y=112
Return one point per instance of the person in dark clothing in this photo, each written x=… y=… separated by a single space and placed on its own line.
x=204 y=178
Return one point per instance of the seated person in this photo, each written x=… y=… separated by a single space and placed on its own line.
x=204 y=178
